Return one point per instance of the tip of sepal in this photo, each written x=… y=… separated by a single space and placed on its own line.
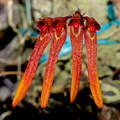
x=99 y=102
x=46 y=88
x=15 y=102
x=43 y=105
x=44 y=100
x=21 y=90
x=74 y=91
x=72 y=98
x=13 y=105
x=99 y=105
x=97 y=95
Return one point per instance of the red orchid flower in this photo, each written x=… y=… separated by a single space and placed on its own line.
x=59 y=37
x=91 y=26
x=44 y=38
x=55 y=29
x=76 y=36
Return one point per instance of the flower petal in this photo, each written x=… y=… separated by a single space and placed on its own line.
x=76 y=40
x=56 y=45
x=29 y=73
x=91 y=48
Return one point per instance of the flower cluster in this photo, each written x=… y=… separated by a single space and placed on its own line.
x=56 y=29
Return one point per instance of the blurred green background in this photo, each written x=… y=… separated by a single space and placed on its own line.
x=18 y=34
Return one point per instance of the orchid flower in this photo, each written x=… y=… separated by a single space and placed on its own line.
x=44 y=38
x=76 y=36
x=91 y=26
x=56 y=30
x=59 y=37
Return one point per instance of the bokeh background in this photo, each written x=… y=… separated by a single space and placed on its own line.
x=18 y=34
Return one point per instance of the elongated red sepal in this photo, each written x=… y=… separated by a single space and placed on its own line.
x=76 y=40
x=56 y=45
x=91 y=48
x=29 y=73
